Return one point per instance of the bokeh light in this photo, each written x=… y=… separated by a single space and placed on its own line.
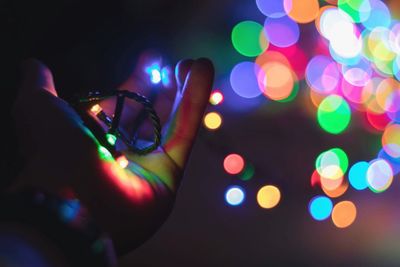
x=233 y=163
x=322 y=74
x=273 y=9
x=302 y=11
x=334 y=114
x=235 y=195
x=320 y=208
x=248 y=38
x=358 y=175
x=282 y=32
x=212 y=120
x=216 y=98
x=244 y=79
x=379 y=175
x=344 y=214
x=391 y=140
x=122 y=161
x=268 y=196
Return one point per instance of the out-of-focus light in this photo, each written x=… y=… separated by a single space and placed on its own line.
x=96 y=109
x=358 y=10
x=358 y=74
x=111 y=139
x=273 y=9
x=322 y=74
x=379 y=16
x=268 y=196
x=331 y=21
x=154 y=72
x=344 y=214
x=166 y=73
x=212 y=120
x=122 y=161
x=320 y=208
x=378 y=121
x=332 y=164
x=247 y=173
x=216 y=97
x=277 y=80
x=282 y=32
x=235 y=195
x=337 y=192
x=379 y=175
x=104 y=153
x=302 y=11
x=248 y=38
x=388 y=95
x=394 y=162
x=244 y=80
x=358 y=175
x=391 y=140
x=233 y=163
x=334 y=114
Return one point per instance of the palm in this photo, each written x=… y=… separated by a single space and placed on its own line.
x=129 y=203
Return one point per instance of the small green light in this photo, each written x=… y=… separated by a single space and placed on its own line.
x=104 y=153
x=334 y=114
x=248 y=38
x=112 y=139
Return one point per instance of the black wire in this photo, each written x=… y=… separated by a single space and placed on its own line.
x=95 y=96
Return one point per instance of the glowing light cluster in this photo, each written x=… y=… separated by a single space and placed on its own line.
x=353 y=67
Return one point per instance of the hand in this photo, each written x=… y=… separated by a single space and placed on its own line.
x=61 y=153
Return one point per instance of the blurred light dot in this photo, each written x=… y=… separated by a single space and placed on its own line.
x=359 y=10
x=216 y=98
x=394 y=162
x=154 y=71
x=166 y=73
x=358 y=74
x=233 y=163
x=212 y=120
x=302 y=11
x=378 y=121
x=111 y=139
x=391 y=140
x=322 y=74
x=123 y=162
x=104 y=153
x=244 y=80
x=334 y=114
x=358 y=175
x=344 y=214
x=247 y=173
x=337 y=192
x=273 y=9
x=332 y=164
x=249 y=39
x=379 y=175
x=282 y=32
x=268 y=196
x=380 y=16
x=276 y=80
x=96 y=109
x=388 y=95
x=320 y=208
x=234 y=196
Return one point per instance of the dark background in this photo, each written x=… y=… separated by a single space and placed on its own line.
x=98 y=42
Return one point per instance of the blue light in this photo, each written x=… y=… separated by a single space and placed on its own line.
x=320 y=208
x=358 y=175
x=154 y=72
x=234 y=196
x=165 y=76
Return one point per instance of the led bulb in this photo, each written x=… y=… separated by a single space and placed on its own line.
x=96 y=109
x=111 y=139
x=123 y=162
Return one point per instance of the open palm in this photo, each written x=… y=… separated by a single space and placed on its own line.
x=61 y=153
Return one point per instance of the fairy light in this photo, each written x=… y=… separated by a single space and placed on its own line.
x=216 y=98
x=111 y=139
x=96 y=109
x=122 y=161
